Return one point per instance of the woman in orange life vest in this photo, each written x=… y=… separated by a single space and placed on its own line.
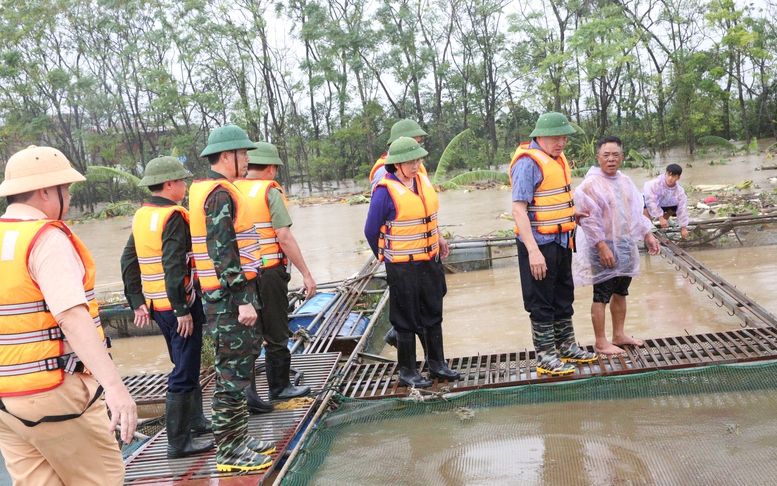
x=403 y=128
x=401 y=229
x=544 y=214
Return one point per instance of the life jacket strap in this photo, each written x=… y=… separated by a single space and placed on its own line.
x=411 y=222
x=55 y=418
x=26 y=308
x=553 y=192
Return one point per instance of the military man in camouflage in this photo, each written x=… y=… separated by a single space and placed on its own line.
x=228 y=258
x=272 y=221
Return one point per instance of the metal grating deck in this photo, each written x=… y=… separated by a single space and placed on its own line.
x=150 y=465
x=379 y=380
x=151 y=389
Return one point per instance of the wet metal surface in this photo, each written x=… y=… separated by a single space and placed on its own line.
x=151 y=389
x=379 y=380
x=150 y=465
x=736 y=301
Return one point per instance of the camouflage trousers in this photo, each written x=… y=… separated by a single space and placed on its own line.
x=234 y=359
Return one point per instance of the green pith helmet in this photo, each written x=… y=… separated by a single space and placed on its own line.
x=265 y=154
x=406 y=128
x=163 y=169
x=552 y=124
x=404 y=149
x=229 y=137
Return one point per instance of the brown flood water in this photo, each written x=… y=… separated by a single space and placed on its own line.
x=483 y=309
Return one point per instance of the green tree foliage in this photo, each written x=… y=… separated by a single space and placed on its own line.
x=115 y=84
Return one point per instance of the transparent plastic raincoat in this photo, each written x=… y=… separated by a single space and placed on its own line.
x=614 y=205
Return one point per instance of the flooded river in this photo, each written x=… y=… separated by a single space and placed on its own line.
x=483 y=309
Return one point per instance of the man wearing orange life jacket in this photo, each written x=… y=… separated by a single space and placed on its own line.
x=544 y=214
x=53 y=358
x=401 y=229
x=158 y=274
x=402 y=128
x=228 y=258
x=271 y=219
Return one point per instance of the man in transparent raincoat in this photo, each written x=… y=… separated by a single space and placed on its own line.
x=607 y=255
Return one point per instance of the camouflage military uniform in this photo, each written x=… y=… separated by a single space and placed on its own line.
x=231 y=339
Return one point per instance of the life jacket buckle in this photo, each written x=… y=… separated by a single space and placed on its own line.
x=55 y=334
x=53 y=364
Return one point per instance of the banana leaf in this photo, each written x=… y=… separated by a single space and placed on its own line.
x=717 y=141
x=450 y=186
x=99 y=172
x=448 y=155
x=468 y=178
x=105 y=172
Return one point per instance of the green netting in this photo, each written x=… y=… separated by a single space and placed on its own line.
x=713 y=425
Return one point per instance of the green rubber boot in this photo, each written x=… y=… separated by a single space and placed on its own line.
x=230 y=427
x=547 y=360
x=261 y=446
x=568 y=349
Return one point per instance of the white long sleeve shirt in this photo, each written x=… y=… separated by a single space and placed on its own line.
x=659 y=195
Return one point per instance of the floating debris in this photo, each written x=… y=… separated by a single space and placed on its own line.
x=732 y=428
x=464 y=413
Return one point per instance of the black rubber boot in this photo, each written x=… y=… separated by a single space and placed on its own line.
x=408 y=371
x=278 y=379
x=178 y=422
x=255 y=403
x=230 y=428
x=435 y=358
x=199 y=423
x=391 y=337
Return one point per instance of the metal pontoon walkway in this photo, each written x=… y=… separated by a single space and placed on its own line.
x=755 y=342
x=379 y=380
x=368 y=376
x=150 y=465
x=151 y=389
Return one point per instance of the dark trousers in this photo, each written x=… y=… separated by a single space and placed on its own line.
x=184 y=352
x=273 y=323
x=549 y=299
x=416 y=292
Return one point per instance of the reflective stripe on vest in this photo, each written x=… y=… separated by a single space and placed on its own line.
x=245 y=234
x=257 y=192
x=412 y=235
x=148 y=225
x=553 y=207
x=31 y=342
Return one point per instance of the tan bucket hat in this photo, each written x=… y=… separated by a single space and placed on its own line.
x=36 y=168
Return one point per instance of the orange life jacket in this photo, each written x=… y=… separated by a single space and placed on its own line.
x=147 y=228
x=247 y=239
x=378 y=164
x=412 y=235
x=31 y=342
x=256 y=192
x=553 y=206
